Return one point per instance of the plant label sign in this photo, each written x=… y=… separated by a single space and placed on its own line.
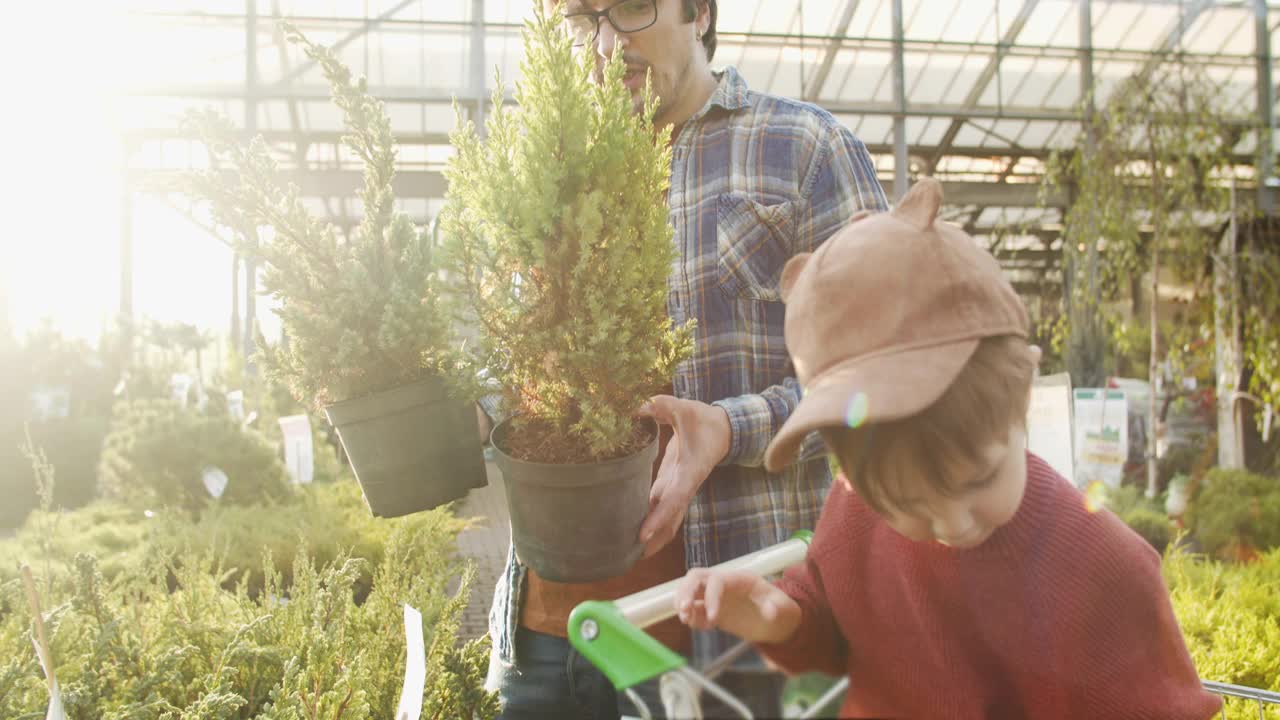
x=1049 y=432
x=299 y=454
x=415 y=667
x=215 y=481
x=56 y=711
x=1102 y=436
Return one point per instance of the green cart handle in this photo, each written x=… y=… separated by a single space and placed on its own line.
x=611 y=634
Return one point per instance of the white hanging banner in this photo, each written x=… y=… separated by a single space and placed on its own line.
x=415 y=667
x=1049 y=431
x=299 y=454
x=1102 y=436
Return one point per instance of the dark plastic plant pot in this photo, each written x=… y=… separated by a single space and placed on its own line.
x=412 y=448
x=577 y=523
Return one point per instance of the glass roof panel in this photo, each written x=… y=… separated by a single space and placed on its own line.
x=1222 y=30
x=1117 y=23
x=1065 y=30
x=929 y=19
x=872 y=19
x=867 y=79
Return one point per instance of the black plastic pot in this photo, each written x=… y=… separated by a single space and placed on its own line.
x=412 y=448
x=577 y=523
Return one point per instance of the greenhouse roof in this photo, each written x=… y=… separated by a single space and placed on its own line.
x=991 y=87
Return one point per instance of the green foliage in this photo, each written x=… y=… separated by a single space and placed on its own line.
x=157 y=450
x=1149 y=168
x=558 y=246
x=1152 y=525
x=361 y=315
x=172 y=642
x=1232 y=508
x=71 y=437
x=1261 y=269
x=1230 y=620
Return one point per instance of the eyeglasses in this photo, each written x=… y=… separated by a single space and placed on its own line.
x=627 y=16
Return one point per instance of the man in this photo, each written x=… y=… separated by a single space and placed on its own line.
x=755 y=179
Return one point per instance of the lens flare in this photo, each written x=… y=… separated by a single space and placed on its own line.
x=1095 y=496
x=856 y=413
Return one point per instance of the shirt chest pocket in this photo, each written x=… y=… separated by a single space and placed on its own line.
x=754 y=242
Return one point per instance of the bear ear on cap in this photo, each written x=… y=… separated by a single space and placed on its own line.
x=860 y=215
x=920 y=205
x=792 y=271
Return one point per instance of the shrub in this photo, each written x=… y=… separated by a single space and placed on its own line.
x=171 y=642
x=558 y=248
x=156 y=452
x=361 y=315
x=1152 y=525
x=72 y=444
x=1234 y=508
x=1230 y=619
x=324 y=519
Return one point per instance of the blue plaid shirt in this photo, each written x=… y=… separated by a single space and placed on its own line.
x=755 y=179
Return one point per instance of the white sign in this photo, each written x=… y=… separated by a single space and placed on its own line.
x=48 y=403
x=1049 y=432
x=1102 y=436
x=415 y=667
x=215 y=481
x=299 y=454
x=235 y=405
x=179 y=387
x=55 y=712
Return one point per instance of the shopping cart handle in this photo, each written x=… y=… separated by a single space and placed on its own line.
x=611 y=634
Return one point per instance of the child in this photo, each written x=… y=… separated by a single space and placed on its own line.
x=952 y=574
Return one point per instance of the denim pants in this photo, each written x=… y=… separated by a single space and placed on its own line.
x=554 y=682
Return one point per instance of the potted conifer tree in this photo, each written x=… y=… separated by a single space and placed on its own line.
x=558 y=250
x=362 y=316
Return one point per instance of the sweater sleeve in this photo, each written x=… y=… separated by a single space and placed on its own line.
x=1137 y=665
x=817 y=644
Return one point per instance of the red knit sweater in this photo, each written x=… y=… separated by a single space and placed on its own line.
x=1062 y=613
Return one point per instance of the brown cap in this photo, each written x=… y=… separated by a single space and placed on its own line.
x=883 y=316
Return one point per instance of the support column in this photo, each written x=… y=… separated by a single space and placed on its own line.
x=477 y=65
x=1266 y=112
x=251 y=129
x=125 y=318
x=900 y=161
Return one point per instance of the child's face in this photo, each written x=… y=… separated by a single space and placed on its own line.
x=984 y=495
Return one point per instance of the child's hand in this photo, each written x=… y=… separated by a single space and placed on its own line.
x=737 y=602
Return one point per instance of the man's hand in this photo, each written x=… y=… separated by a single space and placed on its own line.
x=737 y=602
x=701 y=440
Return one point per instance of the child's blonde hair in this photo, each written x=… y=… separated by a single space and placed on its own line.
x=986 y=399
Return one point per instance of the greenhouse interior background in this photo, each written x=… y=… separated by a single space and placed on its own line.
x=118 y=288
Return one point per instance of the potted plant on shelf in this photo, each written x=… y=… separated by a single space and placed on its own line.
x=363 y=318
x=558 y=250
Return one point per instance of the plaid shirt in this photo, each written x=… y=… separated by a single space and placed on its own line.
x=755 y=179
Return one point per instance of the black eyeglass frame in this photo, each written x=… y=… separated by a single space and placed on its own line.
x=598 y=15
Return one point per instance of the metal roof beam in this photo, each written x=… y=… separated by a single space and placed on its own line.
x=833 y=47
x=984 y=79
x=369 y=24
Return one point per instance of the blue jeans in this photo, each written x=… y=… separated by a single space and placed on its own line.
x=554 y=682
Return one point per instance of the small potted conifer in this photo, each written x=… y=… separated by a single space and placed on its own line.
x=363 y=318
x=558 y=249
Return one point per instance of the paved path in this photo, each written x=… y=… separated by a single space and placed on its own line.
x=486 y=544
